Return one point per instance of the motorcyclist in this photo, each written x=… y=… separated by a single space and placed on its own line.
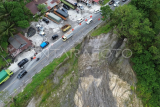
x=37 y=59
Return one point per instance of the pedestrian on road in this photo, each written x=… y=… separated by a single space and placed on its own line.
x=35 y=54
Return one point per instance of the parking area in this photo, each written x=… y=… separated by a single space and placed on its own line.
x=53 y=28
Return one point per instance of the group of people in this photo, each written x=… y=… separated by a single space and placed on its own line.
x=34 y=57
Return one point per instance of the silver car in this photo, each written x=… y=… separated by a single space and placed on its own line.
x=80 y=20
x=89 y=21
x=116 y=3
x=96 y=11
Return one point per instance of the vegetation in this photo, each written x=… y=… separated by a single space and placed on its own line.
x=105 y=1
x=42 y=84
x=12 y=14
x=106 y=11
x=103 y=29
x=42 y=8
x=139 y=22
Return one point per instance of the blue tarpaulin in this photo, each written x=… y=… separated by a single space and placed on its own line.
x=43 y=44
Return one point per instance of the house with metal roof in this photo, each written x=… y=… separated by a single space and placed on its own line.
x=18 y=43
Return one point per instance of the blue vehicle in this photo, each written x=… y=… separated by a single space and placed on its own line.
x=44 y=44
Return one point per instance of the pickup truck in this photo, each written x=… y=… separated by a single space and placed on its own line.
x=66 y=27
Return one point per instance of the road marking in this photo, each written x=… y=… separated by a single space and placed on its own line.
x=45 y=57
x=10 y=84
x=56 y=57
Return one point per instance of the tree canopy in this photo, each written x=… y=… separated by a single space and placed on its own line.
x=140 y=24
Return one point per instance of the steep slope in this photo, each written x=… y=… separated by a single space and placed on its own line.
x=98 y=77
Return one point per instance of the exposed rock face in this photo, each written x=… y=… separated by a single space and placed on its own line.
x=105 y=79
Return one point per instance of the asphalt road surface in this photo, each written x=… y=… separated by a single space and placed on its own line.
x=51 y=52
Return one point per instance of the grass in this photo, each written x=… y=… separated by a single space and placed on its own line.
x=105 y=1
x=29 y=91
x=73 y=67
x=42 y=84
x=103 y=29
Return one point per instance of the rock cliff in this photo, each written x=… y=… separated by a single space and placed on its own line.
x=105 y=76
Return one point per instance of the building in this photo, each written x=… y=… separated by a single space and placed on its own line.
x=52 y=3
x=32 y=6
x=18 y=43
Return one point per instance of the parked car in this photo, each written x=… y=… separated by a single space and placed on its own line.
x=65 y=27
x=54 y=36
x=22 y=62
x=31 y=32
x=45 y=20
x=21 y=74
x=42 y=33
x=66 y=7
x=116 y=4
x=44 y=44
x=65 y=10
x=80 y=20
x=80 y=6
x=89 y=21
x=96 y=11
x=124 y=0
x=111 y=2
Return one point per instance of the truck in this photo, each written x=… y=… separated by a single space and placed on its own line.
x=5 y=75
x=67 y=35
x=61 y=14
x=65 y=27
x=53 y=17
x=70 y=4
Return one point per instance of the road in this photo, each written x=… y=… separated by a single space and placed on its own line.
x=51 y=52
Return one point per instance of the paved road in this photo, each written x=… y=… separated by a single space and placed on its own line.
x=49 y=54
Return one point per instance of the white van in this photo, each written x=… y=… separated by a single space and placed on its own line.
x=89 y=21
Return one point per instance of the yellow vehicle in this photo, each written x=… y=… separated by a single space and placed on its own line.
x=66 y=27
x=5 y=75
x=67 y=35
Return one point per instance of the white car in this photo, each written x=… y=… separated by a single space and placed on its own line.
x=80 y=20
x=96 y=11
x=89 y=21
x=116 y=3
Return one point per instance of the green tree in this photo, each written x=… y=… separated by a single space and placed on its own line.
x=7 y=28
x=130 y=23
x=18 y=15
x=23 y=23
x=106 y=12
x=3 y=11
x=42 y=7
x=150 y=8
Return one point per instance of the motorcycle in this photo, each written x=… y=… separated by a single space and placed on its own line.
x=37 y=59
